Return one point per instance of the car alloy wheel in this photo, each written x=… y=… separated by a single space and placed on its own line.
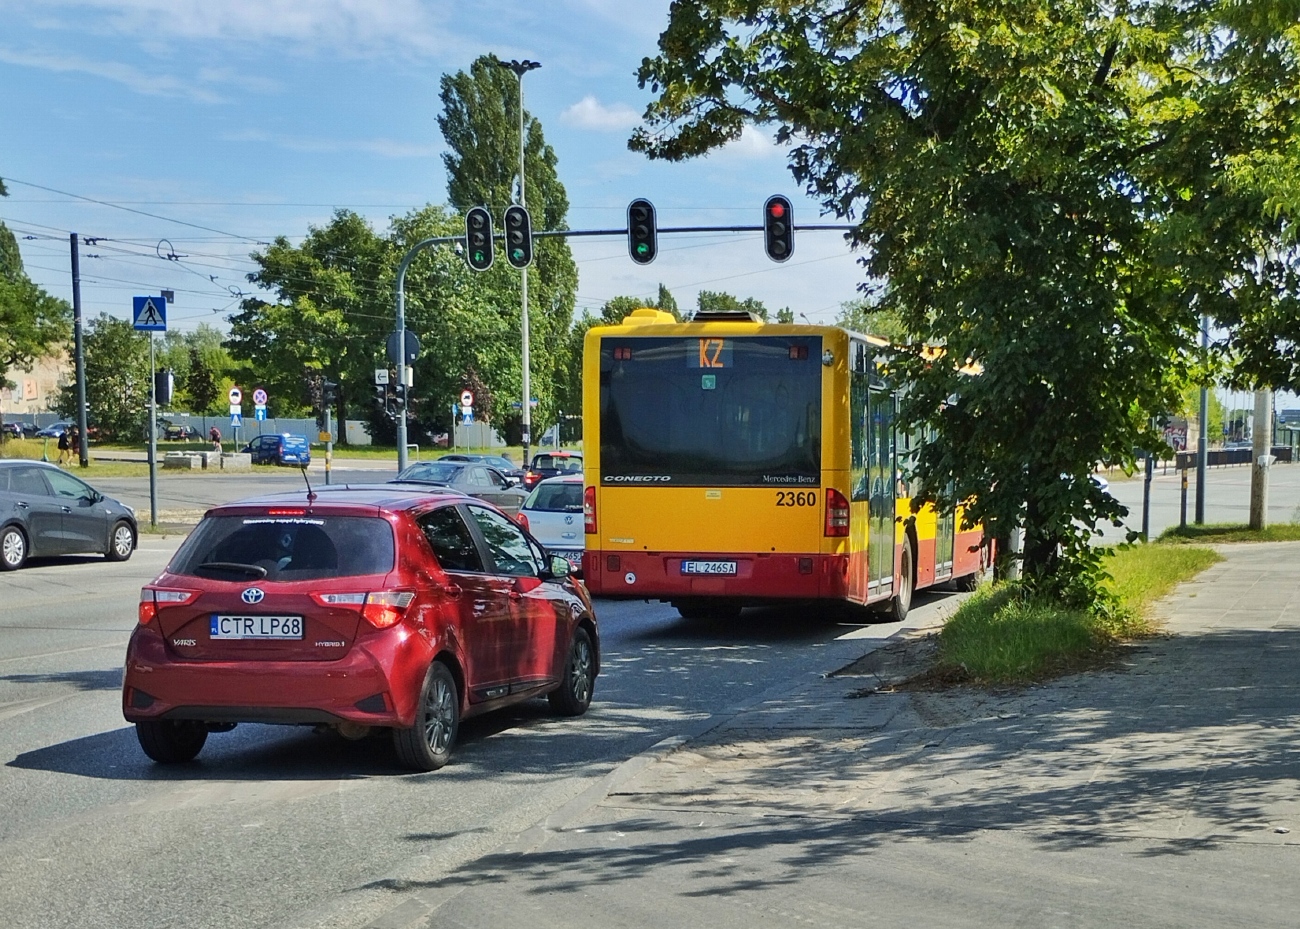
x=123 y=543
x=427 y=745
x=573 y=696
x=13 y=549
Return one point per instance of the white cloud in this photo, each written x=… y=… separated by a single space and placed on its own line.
x=144 y=82
x=347 y=25
x=590 y=113
x=753 y=145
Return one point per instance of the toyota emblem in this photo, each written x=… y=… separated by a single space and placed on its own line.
x=253 y=595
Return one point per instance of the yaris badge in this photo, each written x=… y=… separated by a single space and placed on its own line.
x=253 y=595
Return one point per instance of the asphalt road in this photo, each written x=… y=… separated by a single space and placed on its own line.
x=277 y=827
x=1227 y=498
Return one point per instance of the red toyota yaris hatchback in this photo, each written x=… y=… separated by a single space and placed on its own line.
x=355 y=608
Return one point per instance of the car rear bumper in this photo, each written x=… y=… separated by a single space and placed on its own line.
x=759 y=577
x=376 y=687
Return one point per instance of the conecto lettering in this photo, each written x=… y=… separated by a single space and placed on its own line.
x=637 y=478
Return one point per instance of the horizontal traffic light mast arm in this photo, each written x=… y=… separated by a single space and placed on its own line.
x=589 y=232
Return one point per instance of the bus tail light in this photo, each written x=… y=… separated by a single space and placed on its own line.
x=837 y=513
x=589 y=510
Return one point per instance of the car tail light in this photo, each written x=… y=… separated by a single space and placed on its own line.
x=153 y=599
x=837 y=513
x=522 y=519
x=382 y=608
x=589 y=510
x=385 y=608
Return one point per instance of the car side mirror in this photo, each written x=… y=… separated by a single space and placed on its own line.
x=559 y=567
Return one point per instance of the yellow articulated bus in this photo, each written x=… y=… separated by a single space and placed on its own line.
x=730 y=462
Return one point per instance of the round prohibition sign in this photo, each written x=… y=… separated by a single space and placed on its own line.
x=466 y=398
x=259 y=397
x=236 y=396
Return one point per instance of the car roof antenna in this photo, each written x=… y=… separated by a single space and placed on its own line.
x=311 y=494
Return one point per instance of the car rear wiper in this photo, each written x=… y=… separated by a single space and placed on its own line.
x=234 y=567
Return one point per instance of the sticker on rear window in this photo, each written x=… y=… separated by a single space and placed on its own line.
x=284 y=522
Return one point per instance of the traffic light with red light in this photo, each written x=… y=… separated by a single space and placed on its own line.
x=478 y=238
x=642 y=234
x=778 y=228
x=519 y=237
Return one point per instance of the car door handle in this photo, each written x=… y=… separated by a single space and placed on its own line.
x=452 y=590
x=22 y=504
x=66 y=509
x=515 y=596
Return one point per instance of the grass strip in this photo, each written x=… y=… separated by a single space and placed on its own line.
x=1231 y=532
x=998 y=636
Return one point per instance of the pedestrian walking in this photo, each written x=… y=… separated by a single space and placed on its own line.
x=65 y=445
x=74 y=445
x=215 y=435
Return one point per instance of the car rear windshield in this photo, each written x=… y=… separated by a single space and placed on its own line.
x=436 y=472
x=295 y=441
x=286 y=548
x=556 y=498
x=558 y=462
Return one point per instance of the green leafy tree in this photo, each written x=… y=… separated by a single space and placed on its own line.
x=33 y=323
x=716 y=301
x=866 y=316
x=201 y=383
x=480 y=121
x=1019 y=174
x=333 y=314
x=117 y=380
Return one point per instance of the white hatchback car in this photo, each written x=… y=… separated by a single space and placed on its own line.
x=553 y=514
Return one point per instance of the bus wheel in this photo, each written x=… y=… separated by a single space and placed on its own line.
x=902 y=601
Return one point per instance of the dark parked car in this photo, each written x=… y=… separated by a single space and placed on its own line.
x=46 y=511
x=283 y=449
x=551 y=464
x=19 y=430
x=470 y=478
x=176 y=432
x=503 y=464
x=366 y=608
x=53 y=431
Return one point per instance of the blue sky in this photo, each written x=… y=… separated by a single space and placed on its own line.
x=256 y=118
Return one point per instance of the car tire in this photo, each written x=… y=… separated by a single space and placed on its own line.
x=171 y=741
x=121 y=543
x=573 y=696
x=427 y=745
x=13 y=548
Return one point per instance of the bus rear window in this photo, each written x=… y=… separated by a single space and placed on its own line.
x=701 y=411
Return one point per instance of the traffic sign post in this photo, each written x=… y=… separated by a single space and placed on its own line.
x=149 y=314
x=236 y=397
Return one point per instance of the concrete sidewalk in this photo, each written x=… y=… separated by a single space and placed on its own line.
x=1163 y=792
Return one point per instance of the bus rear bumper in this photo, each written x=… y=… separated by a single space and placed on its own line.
x=760 y=576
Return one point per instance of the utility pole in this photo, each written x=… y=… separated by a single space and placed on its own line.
x=520 y=68
x=79 y=356
x=1261 y=457
x=1202 y=448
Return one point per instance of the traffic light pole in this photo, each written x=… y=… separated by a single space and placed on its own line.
x=401 y=335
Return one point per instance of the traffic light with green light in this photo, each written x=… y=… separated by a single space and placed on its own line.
x=519 y=237
x=778 y=228
x=478 y=238
x=642 y=234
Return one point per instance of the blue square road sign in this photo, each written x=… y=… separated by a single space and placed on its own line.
x=149 y=314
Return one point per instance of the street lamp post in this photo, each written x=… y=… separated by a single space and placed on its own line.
x=520 y=68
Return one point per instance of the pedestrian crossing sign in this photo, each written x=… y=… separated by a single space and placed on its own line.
x=149 y=314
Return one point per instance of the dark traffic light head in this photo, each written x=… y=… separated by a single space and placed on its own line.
x=778 y=228
x=519 y=237
x=478 y=238
x=642 y=232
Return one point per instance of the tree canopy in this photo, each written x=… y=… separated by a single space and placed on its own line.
x=1043 y=186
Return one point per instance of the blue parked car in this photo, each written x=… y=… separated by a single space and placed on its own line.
x=283 y=449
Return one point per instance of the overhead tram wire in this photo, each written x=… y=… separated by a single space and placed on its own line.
x=117 y=206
